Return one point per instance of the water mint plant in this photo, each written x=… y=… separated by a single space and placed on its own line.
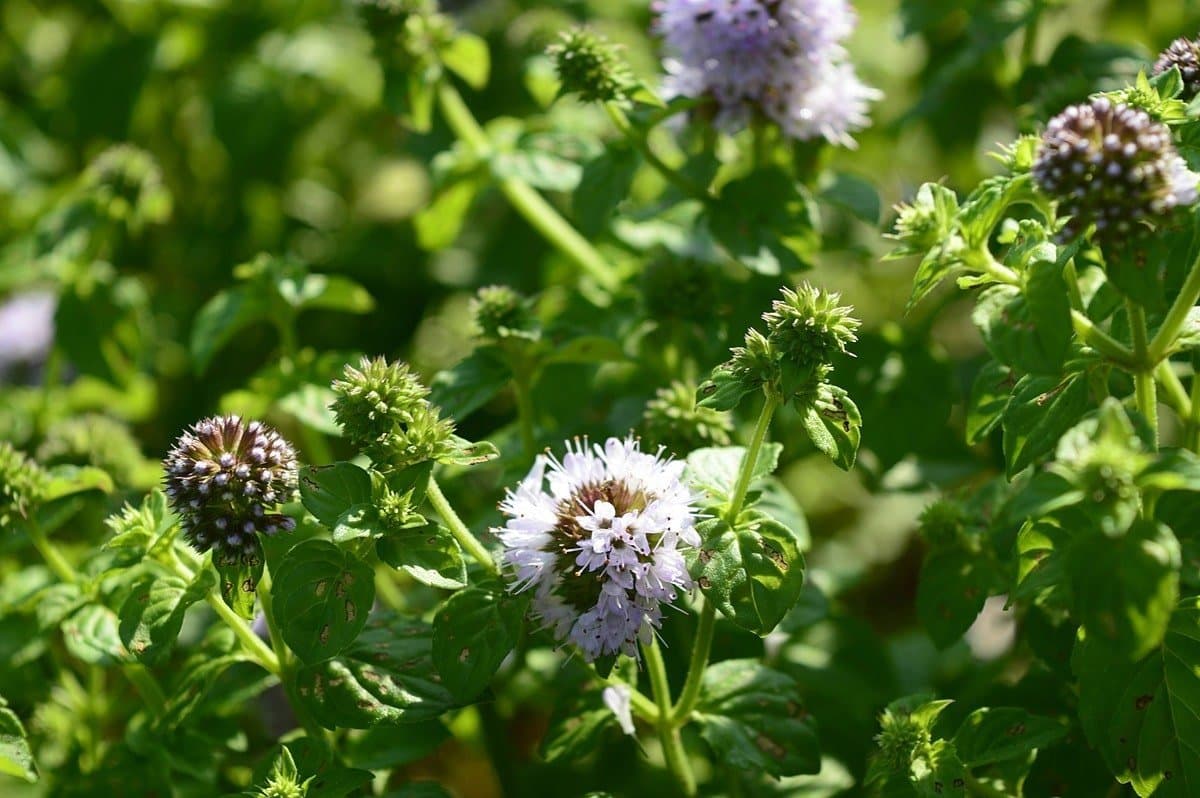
x=415 y=399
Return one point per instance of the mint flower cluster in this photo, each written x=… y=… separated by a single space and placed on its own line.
x=780 y=59
x=599 y=537
x=225 y=479
x=1112 y=166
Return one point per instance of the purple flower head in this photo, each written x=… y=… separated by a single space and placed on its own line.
x=780 y=58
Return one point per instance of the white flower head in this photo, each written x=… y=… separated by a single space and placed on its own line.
x=617 y=699
x=598 y=536
x=781 y=58
x=26 y=328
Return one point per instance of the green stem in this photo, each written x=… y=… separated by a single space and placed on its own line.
x=1145 y=389
x=523 y=392
x=1071 y=278
x=147 y=687
x=639 y=142
x=50 y=553
x=457 y=528
x=701 y=649
x=750 y=459
x=530 y=204
x=254 y=645
x=1176 y=317
x=668 y=732
x=1101 y=341
x=984 y=261
x=1174 y=394
x=1192 y=435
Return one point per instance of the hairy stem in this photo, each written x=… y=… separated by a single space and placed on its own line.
x=1176 y=317
x=530 y=204
x=1102 y=342
x=701 y=649
x=523 y=392
x=1174 y=394
x=668 y=732
x=1145 y=389
x=457 y=528
x=750 y=459
x=253 y=644
x=50 y=553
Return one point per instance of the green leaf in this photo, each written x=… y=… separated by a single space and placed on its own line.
x=577 y=728
x=954 y=584
x=221 y=318
x=714 y=470
x=322 y=595
x=990 y=394
x=1145 y=716
x=1126 y=588
x=754 y=573
x=765 y=221
x=430 y=555
x=440 y=222
x=753 y=717
x=152 y=615
x=723 y=391
x=1041 y=410
x=855 y=194
x=385 y=677
x=472 y=634
x=467 y=56
x=68 y=480
x=605 y=182
x=538 y=168
x=328 y=492
x=465 y=452
x=994 y=735
x=471 y=383
x=833 y=424
x=239 y=575
x=387 y=747
x=325 y=292
x=587 y=349
x=93 y=636
x=1029 y=331
x=16 y=758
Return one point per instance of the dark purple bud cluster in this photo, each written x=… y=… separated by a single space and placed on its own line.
x=226 y=478
x=1184 y=54
x=1110 y=165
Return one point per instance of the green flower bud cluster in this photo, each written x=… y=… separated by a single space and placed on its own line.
x=591 y=66
x=22 y=484
x=943 y=522
x=806 y=330
x=412 y=30
x=94 y=440
x=673 y=420
x=125 y=184
x=901 y=738
x=383 y=410
x=682 y=289
x=499 y=312
x=396 y=511
x=925 y=224
x=284 y=781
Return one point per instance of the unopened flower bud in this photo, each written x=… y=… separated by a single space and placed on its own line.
x=591 y=66
x=942 y=522
x=22 y=484
x=498 y=311
x=375 y=398
x=810 y=328
x=225 y=478
x=673 y=421
x=126 y=184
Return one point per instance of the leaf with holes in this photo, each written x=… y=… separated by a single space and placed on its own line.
x=238 y=577
x=754 y=573
x=428 y=554
x=753 y=718
x=386 y=676
x=472 y=634
x=152 y=615
x=998 y=734
x=1145 y=716
x=322 y=596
